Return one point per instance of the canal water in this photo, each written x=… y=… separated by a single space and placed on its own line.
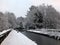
x=40 y=39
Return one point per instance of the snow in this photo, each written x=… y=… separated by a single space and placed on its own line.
x=17 y=38
x=4 y=31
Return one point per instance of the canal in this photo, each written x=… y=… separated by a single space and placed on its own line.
x=41 y=39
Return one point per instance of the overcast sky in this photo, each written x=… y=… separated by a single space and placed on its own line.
x=20 y=7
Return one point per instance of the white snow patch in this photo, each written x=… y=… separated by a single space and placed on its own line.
x=15 y=38
x=4 y=31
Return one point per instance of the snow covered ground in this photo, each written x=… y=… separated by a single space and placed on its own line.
x=17 y=38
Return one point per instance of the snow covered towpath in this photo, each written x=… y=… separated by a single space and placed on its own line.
x=17 y=38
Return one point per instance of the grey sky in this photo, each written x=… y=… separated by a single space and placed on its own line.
x=20 y=7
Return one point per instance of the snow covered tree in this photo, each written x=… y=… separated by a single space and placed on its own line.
x=50 y=17
x=11 y=20
x=3 y=22
x=35 y=17
x=20 y=19
x=43 y=16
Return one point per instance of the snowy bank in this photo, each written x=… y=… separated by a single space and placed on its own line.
x=15 y=38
